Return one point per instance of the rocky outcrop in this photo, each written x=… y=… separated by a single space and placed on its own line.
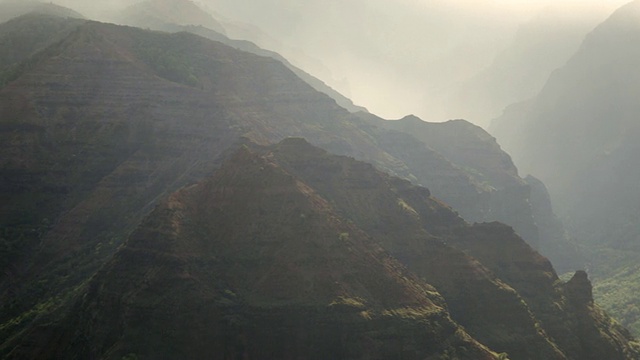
x=564 y=310
x=413 y=227
x=579 y=289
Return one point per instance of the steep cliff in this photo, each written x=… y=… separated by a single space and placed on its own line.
x=566 y=311
x=498 y=192
x=415 y=228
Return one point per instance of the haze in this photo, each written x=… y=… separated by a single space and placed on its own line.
x=91 y=145
x=431 y=58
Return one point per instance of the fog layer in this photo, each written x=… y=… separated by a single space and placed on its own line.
x=438 y=59
x=410 y=56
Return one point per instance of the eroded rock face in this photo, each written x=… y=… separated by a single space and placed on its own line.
x=566 y=311
x=477 y=154
x=579 y=289
x=416 y=228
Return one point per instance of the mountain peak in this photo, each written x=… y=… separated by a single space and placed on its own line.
x=14 y=8
x=626 y=13
x=160 y=13
x=616 y=28
x=412 y=119
x=579 y=288
x=299 y=144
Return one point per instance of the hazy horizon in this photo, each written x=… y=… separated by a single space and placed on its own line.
x=125 y=210
x=409 y=56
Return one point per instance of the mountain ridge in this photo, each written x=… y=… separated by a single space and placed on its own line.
x=254 y=243
x=151 y=14
x=321 y=256
x=13 y=8
x=155 y=111
x=110 y=122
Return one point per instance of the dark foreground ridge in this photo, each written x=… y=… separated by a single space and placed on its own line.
x=292 y=252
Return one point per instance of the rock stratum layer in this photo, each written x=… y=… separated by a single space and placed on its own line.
x=103 y=123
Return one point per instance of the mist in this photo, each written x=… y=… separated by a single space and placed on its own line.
x=118 y=170
x=436 y=59
x=410 y=56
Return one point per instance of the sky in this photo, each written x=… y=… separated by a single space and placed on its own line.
x=399 y=57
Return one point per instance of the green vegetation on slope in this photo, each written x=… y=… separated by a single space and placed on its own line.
x=169 y=57
x=617 y=289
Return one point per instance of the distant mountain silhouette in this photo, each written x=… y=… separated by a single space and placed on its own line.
x=519 y=72
x=10 y=9
x=580 y=136
x=158 y=15
x=525 y=202
x=155 y=14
